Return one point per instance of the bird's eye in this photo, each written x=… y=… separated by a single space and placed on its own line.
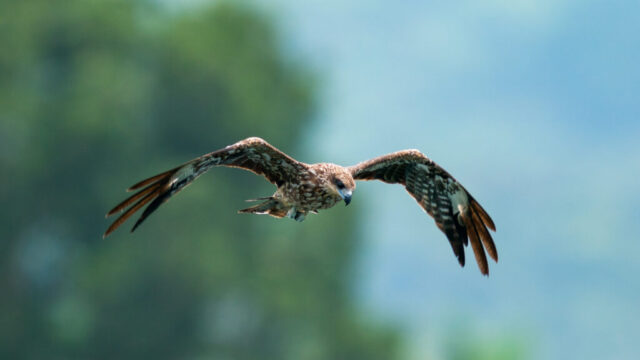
x=339 y=184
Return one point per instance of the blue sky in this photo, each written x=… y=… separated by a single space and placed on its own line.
x=533 y=106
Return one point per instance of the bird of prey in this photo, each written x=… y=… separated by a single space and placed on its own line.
x=306 y=188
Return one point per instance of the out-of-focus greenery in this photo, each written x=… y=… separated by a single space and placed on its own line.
x=463 y=343
x=95 y=95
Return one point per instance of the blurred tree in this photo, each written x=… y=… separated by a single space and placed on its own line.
x=465 y=343
x=97 y=94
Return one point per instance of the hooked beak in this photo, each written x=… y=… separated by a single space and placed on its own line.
x=346 y=196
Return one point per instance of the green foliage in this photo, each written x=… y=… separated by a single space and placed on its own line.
x=465 y=344
x=95 y=95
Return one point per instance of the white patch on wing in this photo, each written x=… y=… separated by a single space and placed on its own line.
x=424 y=167
x=183 y=173
x=459 y=200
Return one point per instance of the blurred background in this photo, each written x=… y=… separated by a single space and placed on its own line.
x=532 y=105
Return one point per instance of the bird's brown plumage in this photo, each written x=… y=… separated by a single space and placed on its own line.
x=306 y=188
x=454 y=210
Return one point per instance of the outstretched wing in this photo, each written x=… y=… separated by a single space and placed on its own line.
x=454 y=210
x=253 y=154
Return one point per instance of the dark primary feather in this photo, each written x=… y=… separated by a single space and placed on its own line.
x=152 y=179
x=431 y=185
x=474 y=239
x=484 y=235
x=253 y=154
x=148 y=193
x=486 y=219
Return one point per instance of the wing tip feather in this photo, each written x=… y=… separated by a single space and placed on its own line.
x=141 y=198
x=476 y=244
x=485 y=236
x=152 y=180
x=484 y=216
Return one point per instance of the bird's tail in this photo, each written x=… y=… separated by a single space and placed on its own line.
x=271 y=206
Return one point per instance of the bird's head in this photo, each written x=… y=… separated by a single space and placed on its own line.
x=343 y=184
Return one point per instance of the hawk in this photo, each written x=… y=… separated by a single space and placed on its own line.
x=303 y=189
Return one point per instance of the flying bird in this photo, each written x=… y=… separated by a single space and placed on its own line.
x=304 y=189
